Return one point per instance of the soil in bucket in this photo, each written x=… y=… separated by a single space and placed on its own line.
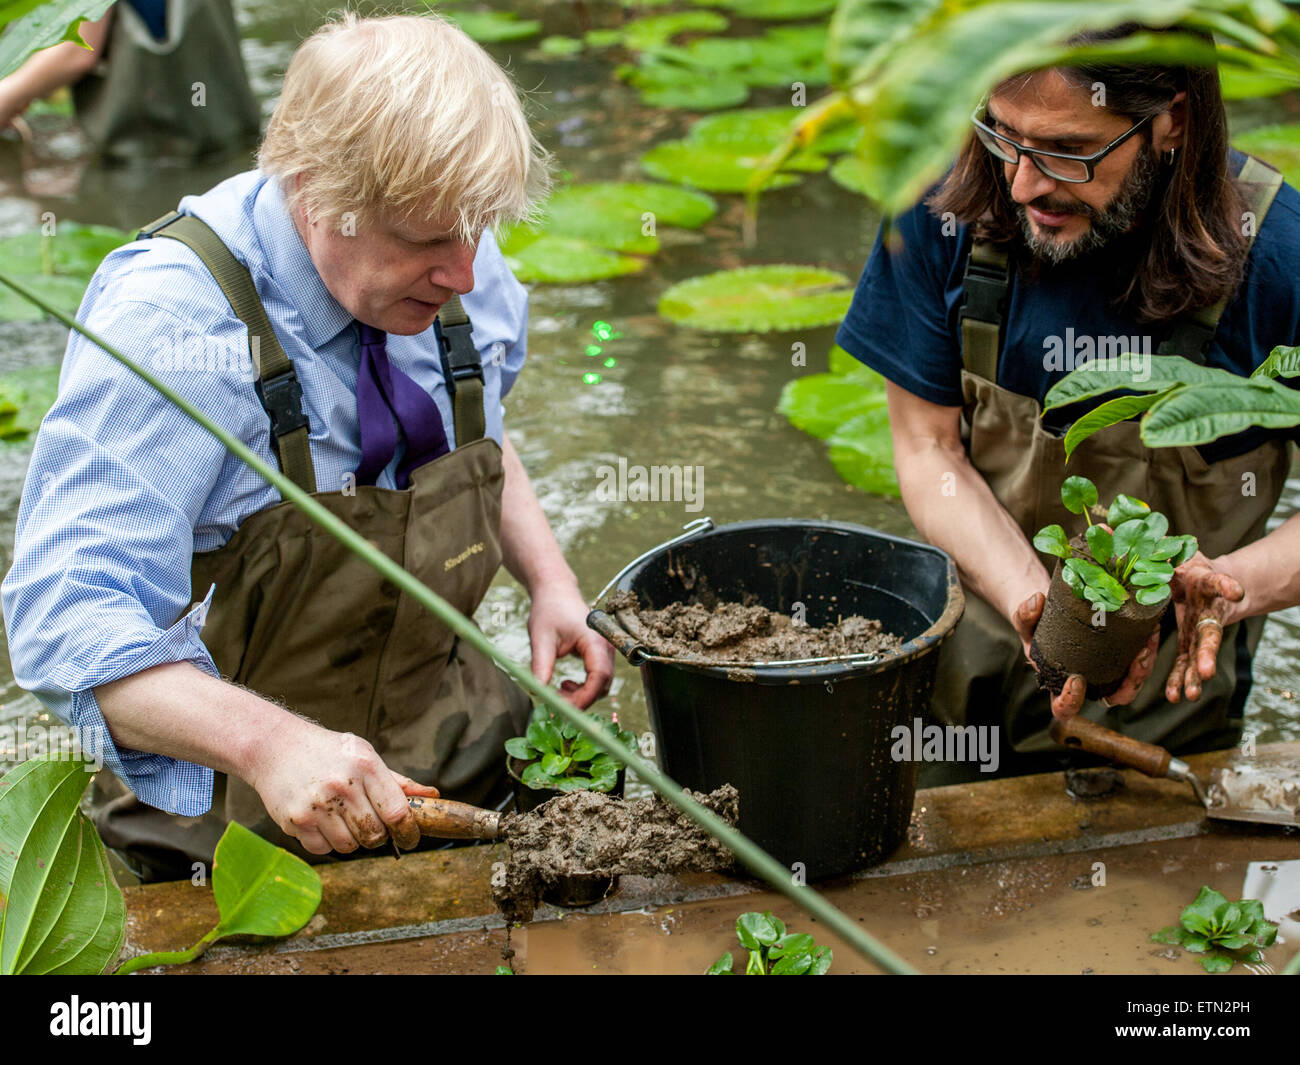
x=1066 y=641
x=714 y=631
x=593 y=834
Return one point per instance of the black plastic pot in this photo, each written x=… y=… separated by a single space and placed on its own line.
x=569 y=891
x=807 y=746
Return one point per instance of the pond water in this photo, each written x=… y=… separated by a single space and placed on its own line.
x=673 y=396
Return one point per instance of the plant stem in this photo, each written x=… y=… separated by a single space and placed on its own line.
x=748 y=853
x=169 y=957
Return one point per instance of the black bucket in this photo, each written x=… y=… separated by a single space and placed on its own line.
x=807 y=746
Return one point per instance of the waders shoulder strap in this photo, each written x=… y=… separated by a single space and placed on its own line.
x=276 y=383
x=462 y=370
x=1191 y=335
x=984 y=285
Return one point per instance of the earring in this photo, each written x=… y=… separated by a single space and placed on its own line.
x=1171 y=156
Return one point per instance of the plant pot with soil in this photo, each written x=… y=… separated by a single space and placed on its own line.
x=1109 y=590
x=552 y=758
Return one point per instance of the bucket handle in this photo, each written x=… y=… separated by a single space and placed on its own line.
x=693 y=528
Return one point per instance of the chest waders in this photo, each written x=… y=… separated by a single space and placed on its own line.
x=983 y=677
x=298 y=619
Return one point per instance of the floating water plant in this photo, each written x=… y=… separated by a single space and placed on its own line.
x=488 y=27
x=774 y=9
x=57 y=267
x=847 y=408
x=642 y=34
x=1223 y=932
x=1279 y=145
x=586 y=231
x=759 y=299
x=773 y=951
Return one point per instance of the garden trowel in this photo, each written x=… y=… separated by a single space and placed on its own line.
x=1258 y=789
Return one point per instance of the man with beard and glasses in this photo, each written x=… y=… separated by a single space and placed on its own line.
x=1095 y=211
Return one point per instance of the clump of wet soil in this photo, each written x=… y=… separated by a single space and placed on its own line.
x=588 y=833
x=724 y=631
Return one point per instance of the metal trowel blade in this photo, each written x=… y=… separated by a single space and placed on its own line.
x=1251 y=791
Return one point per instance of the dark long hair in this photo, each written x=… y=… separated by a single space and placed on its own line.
x=1197 y=249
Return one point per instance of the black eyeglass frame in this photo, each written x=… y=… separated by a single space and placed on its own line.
x=1089 y=161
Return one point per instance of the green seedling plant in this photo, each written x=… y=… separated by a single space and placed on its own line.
x=1134 y=552
x=1223 y=932
x=773 y=951
x=560 y=757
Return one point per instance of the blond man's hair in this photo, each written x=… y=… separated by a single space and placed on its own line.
x=406 y=116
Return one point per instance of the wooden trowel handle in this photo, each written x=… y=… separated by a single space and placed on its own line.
x=1080 y=733
x=444 y=819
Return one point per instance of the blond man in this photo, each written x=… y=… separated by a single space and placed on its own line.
x=227 y=658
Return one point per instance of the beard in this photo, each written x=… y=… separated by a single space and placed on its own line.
x=1106 y=223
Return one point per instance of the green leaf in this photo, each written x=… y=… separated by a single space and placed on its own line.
x=1128 y=534
x=1190 y=547
x=1109 y=413
x=555 y=765
x=862 y=452
x=721 y=967
x=820 y=404
x=1154 y=568
x=1217 y=962
x=1125 y=508
x=654 y=31
x=63 y=293
x=1236 y=942
x=710 y=168
x=1203 y=907
x=1282 y=361
x=759 y=299
x=1196 y=944
x=488 y=27
x=545 y=737
x=504 y=970
x=535 y=777
x=261 y=889
x=535 y=256
x=795 y=943
x=682 y=88
x=756 y=930
x=1152 y=596
x=584 y=751
x=1171 y=934
x=822 y=958
x=614 y=214
x=42 y=837
x=32 y=26
x=793 y=965
x=1100 y=543
x=556 y=46
x=1051 y=540
x=1163 y=372
x=1193 y=416
x=1078 y=494
x=775 y=9
x=755 y=966
x=1156 y=525
x=1073 y=580
x=849 y=172
x=518 y=747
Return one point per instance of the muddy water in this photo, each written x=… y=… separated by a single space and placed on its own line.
x=1071 y=913
x=671 y=397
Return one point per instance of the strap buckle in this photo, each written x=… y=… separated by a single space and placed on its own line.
x=158 y=223
x=282 y=398
x=985 y=288
x=460 y=358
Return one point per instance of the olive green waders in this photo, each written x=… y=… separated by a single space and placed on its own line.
x=300 y=620
x=983 y=676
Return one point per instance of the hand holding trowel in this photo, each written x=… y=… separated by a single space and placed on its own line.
x=1245 y=791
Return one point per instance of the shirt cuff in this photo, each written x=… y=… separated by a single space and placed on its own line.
x=170 y=784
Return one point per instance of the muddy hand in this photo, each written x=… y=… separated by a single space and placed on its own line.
x=1202 y=595
x=1025 y=621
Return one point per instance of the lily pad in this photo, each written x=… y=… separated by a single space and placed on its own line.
x=56 y=268
x=534 y=256
x=709 y=168
x=759 y=299
x=62 y=292
x=617 y=215
x=489 y=27
x=560 y=46
x=1279 y=145
x=31 y=392
x=666 y=85
x=653 y=31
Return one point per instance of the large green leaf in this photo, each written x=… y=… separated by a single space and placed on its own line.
x=775 y=10
x=820 y=403
x=1190 y=416
x=614 y=214
x=534 y=256
x=62 y=292
x=759 y=299
x=710 y=168
x=850 y=172
x=62 y=910
x=1282 y=361
x=57 y=268
x=1250 y=78
x=30 y=26
x=653 y=31
x=32 y=391
x=863 y=31
x=261 y=889
x=862 y=452
x=670 y=85
x=1279 y=145
x=1158 y=373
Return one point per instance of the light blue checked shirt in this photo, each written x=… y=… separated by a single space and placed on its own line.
x=123 y=487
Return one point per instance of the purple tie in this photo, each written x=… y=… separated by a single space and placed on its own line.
x=384 y=393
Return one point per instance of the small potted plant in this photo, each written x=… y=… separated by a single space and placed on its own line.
x=553 y=758
x=1109 y=590
x=772 y=950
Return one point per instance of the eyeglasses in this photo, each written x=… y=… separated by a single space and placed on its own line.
x=1076 y=169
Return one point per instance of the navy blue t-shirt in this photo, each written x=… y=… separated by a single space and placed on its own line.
x=903 y=321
